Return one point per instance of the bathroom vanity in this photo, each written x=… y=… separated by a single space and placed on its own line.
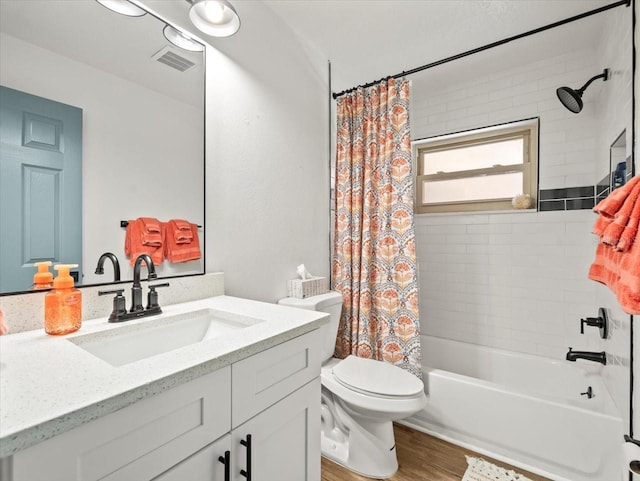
x=238 y=399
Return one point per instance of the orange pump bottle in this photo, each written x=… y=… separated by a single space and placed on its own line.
x=63 y=304
x=43 y=279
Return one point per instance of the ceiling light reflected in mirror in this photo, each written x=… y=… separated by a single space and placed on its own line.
x=123 y=7
x=181 y=40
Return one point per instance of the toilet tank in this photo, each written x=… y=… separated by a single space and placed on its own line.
x=331 y=303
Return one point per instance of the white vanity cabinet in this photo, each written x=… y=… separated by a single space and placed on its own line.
x=138 y=442
x=264 y=411
x=276 y=423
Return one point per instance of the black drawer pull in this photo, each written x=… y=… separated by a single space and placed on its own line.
x=227 y=465
x=247 y=443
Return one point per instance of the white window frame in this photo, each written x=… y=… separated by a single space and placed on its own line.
x=525 y=129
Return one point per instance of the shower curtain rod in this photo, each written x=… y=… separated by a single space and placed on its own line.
x=626 y=3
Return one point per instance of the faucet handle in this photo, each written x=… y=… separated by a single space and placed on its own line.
x=119 y=304
x=118 y=292
x=152 y=296
x=601 y=322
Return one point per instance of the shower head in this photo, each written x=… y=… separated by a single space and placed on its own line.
x=572 y=99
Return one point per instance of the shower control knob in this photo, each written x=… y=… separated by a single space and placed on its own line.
x=601 y=322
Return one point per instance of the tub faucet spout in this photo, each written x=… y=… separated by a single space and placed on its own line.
x=600 y=357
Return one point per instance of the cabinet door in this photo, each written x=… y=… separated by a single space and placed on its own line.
x=208 y=464
x=137 y=442
x=284 y=440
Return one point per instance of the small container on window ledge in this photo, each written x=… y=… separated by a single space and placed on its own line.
x=522 y=201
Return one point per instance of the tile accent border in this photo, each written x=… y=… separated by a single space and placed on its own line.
x=569 y=198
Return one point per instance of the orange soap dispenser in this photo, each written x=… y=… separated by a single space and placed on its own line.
x=43 y=279
x=63 y=304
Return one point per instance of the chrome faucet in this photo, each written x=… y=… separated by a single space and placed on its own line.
x=114 y=261
x=600 y=357
x=136 y=288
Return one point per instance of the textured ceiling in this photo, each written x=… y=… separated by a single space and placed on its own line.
x=369 y=39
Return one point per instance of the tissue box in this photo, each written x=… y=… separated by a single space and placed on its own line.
x=308 y=287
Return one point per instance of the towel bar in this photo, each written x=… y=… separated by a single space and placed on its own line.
x=125 y=223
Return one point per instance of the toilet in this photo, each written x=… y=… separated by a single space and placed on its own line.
x=360 y=399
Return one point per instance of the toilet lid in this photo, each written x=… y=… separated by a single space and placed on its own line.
x=376 y=377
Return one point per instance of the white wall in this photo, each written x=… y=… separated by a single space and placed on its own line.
x=267 y=170
x=518 y=280
x=267 y=160
x=132 y=164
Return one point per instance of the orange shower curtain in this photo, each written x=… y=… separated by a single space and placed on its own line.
x=374 y=256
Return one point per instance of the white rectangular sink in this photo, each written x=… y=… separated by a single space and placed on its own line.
x=127 y=344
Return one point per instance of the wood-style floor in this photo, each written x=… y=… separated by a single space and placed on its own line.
x=421 y=458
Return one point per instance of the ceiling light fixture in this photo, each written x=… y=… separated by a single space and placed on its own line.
x=572 y=99
x=217 y=18
x=181 y=40
x=123 y=7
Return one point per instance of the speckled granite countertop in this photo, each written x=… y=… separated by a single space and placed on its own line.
x=49 y=385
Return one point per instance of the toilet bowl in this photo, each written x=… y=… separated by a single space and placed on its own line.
x=360 y=400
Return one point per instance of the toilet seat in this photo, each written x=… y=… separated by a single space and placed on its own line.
x=376 y=378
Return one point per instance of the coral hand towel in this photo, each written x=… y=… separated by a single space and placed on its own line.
x=139 y=241
x=614 y=201
x=150 y=231
x=150 y=224
x=181 y=224
x=178 y=246
x=181 y=230
x=617 y=262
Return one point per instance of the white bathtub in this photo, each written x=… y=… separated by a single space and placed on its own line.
x=525 y=410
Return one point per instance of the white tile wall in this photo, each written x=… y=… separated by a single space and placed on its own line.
x=567 y=141
x=510 y=280
x=518 y=281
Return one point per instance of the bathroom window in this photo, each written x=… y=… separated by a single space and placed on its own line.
x=481 y=169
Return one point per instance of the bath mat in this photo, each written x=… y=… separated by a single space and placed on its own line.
x=481 y=470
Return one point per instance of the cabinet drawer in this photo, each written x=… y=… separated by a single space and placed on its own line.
x=263 y=379
x=137 y=442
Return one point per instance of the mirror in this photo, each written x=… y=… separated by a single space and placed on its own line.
x=142 y=125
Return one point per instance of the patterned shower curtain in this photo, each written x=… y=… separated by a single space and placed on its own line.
x=374 y=257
